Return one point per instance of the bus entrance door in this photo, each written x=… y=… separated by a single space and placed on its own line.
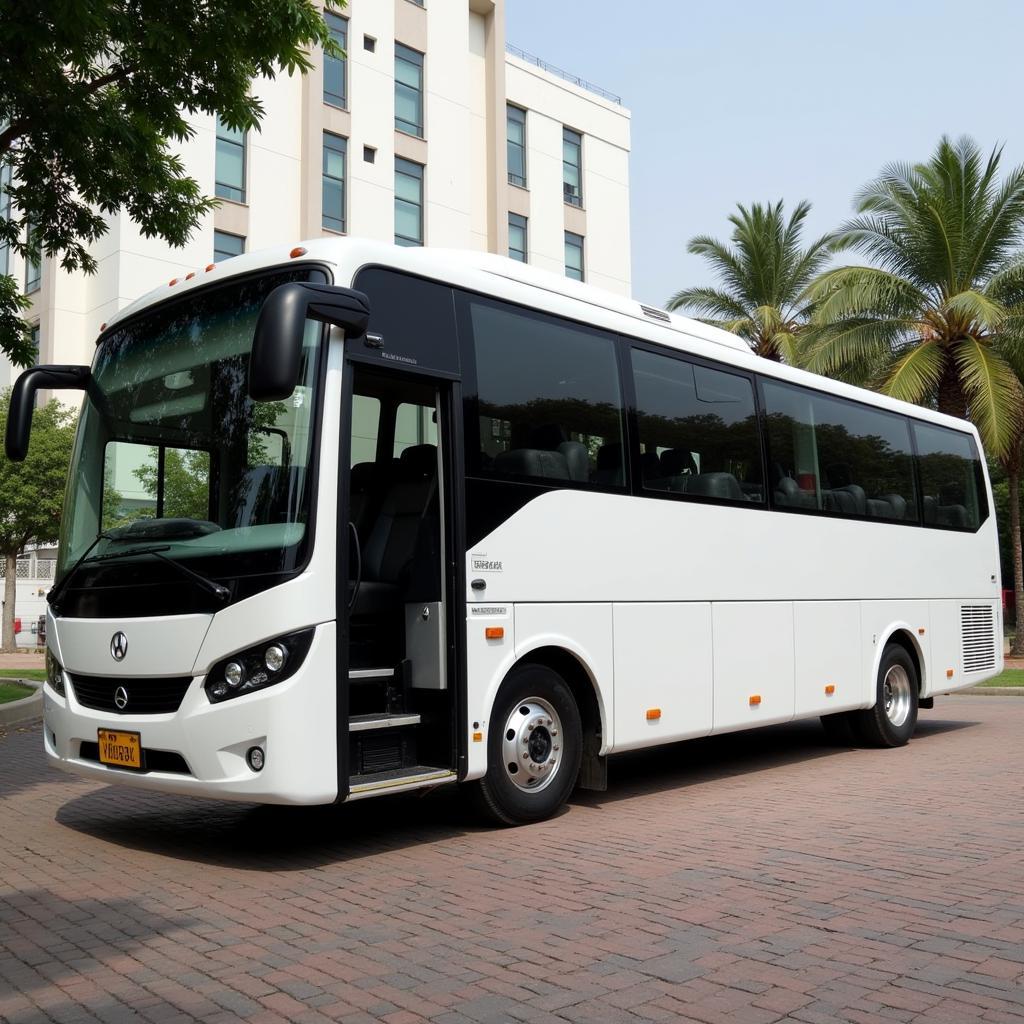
x=400 y=707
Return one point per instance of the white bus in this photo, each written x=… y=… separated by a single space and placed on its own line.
x=354 y=519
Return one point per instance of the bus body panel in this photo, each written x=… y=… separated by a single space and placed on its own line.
x=663 y=664
x=487 y=664
x=829 y=663
x=293 y=721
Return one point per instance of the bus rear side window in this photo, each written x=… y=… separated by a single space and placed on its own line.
x=550 y=406
x=951 y=478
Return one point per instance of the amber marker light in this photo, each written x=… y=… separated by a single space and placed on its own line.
x=478 y=737
x=210 y=266
x=920 y=632
x=653 y=714
x=830 y=689
x=495 y=632
x=949 y=673
x=755 y=700
x=297 y=251
x=172 y=282
x=190 y=275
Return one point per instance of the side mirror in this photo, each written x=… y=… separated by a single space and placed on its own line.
x=23 y=400
x=281 y=326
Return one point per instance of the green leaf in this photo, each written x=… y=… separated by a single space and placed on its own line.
x=994 y=395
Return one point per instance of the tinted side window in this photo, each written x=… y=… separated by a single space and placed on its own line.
x=550 y=403
x=698 y=430
x=837 y=456
x=951 y=478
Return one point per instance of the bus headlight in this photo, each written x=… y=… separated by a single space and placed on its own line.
x=257 y=667
x=54 y=674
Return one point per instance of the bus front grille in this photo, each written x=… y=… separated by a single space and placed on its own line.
x=156 y=696
x=978 y=637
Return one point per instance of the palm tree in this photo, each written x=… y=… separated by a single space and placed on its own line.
x=938 y=319
x=763 y=278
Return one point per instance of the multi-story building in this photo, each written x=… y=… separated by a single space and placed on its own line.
x=431 y=131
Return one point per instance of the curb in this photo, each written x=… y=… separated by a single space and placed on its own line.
x=16 y=712
x=992 y=691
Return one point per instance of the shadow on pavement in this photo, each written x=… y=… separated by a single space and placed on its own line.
x=263 y=838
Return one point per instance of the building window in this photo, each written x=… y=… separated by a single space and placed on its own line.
x=574 y=256
x=225 y=246
x=408 y=202
x=230 y=170
x=516 y=121
x=33 y=262
x=334 y=182
x=5 y=215
x=336 y=68
x=517 y=249
x=35 y=344
x=408 y=90
x=572 y=163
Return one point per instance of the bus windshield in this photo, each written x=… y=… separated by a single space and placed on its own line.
x=171 y=449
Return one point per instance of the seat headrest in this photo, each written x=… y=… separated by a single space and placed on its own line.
x=547 y=437
x=419 y=460
x=677 y=461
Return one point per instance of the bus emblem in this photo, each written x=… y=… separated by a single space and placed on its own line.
x=121 y=698
x=118 y=646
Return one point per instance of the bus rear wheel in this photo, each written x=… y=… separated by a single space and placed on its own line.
x=534 y=746
x=892 y=720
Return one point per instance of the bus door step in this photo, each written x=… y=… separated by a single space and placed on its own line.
x=413 y=777
x=361 y=723
x=370 y=675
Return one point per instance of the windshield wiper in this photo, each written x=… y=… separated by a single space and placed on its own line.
x=218 y=590
x=58 y=589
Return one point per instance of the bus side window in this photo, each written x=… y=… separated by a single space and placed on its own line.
x=550 y=401
x=950 y=469
x=698 y=430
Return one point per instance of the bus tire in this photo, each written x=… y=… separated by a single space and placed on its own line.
x=534 y=747
x=892 y=719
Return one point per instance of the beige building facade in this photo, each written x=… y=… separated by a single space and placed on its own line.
x=431 y=131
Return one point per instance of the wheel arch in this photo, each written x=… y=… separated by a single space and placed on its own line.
x=903 y=635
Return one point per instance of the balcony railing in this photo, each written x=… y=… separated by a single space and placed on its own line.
x=31 y=569
x=564 y=75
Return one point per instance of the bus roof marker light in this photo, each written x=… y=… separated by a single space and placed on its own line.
x=653 y=714
x=172 y=282
x=210 y=266
x=297 y=251
x=190 y=275
x=755 y=700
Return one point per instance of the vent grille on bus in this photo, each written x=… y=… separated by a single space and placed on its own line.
x=656 y=314
x=978 y=634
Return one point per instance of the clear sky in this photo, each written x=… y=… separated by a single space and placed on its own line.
x=745 y=101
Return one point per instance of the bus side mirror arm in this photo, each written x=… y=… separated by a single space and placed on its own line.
x=280 y=329
x=23 y=400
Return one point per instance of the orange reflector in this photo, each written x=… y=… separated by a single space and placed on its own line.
x=297 y=251
x=755 y=699
x=173 y=282
x=949 y=673
x=920 y=632
x=210 y=266
x=190 y=275
x=478 y=737
x=103 y=327
x=653 y=714
x=830 y=689
x=494 y=632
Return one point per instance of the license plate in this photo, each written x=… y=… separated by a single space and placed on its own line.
x=123 y=749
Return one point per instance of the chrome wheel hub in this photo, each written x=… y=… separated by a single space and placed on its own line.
x=531 y=745
x=897 y=694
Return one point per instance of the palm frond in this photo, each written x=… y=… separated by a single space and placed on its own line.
x=864 y=292
x=860 y=341
x=707 y=302
x=915 y=374
x=975 y=308
x=994 y=395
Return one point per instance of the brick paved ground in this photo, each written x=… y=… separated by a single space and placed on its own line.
x=748 y=879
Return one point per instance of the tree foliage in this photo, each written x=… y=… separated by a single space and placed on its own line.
x=32 y=492
x=763 y=277
x=97 y=101
x=938 y=317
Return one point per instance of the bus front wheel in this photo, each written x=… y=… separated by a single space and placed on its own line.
x=891 y=722
x=534 y=746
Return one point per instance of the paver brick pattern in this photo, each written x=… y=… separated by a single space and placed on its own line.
x=750 y=878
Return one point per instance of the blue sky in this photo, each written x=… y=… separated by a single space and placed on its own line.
x=744 y=101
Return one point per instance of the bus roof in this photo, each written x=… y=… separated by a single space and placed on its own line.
x=509 y=279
